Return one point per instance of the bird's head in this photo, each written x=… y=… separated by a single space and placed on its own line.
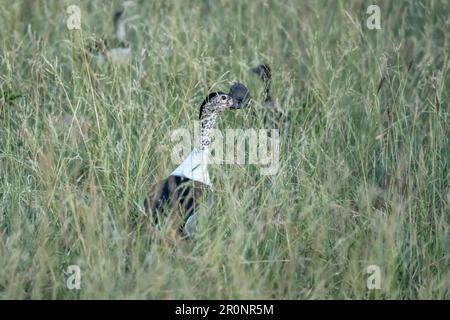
x=217 y=102
x=118 y=17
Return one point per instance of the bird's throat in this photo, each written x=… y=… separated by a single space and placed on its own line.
x=207 y=123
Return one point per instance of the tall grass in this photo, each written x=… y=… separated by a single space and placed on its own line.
x=364 y=173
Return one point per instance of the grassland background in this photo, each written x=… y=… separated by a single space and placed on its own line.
x=364 y=176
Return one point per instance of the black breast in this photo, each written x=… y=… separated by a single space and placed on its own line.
x=174 y=194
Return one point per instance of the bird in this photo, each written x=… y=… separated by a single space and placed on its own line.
x=117 y=52
x=273 y=114
x=182 y=190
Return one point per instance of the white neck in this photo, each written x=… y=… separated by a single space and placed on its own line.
x=195 y=166
x=120 y=32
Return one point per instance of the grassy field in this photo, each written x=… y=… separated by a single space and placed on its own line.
x=364 y=173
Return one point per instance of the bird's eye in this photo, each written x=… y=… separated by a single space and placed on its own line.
x=224 y=98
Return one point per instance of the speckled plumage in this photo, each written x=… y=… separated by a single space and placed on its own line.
x=273 y=115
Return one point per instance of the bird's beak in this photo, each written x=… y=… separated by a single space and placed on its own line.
x=236 y=104
x=240 y=95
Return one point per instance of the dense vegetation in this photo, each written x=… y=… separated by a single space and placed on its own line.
x=364 y=171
